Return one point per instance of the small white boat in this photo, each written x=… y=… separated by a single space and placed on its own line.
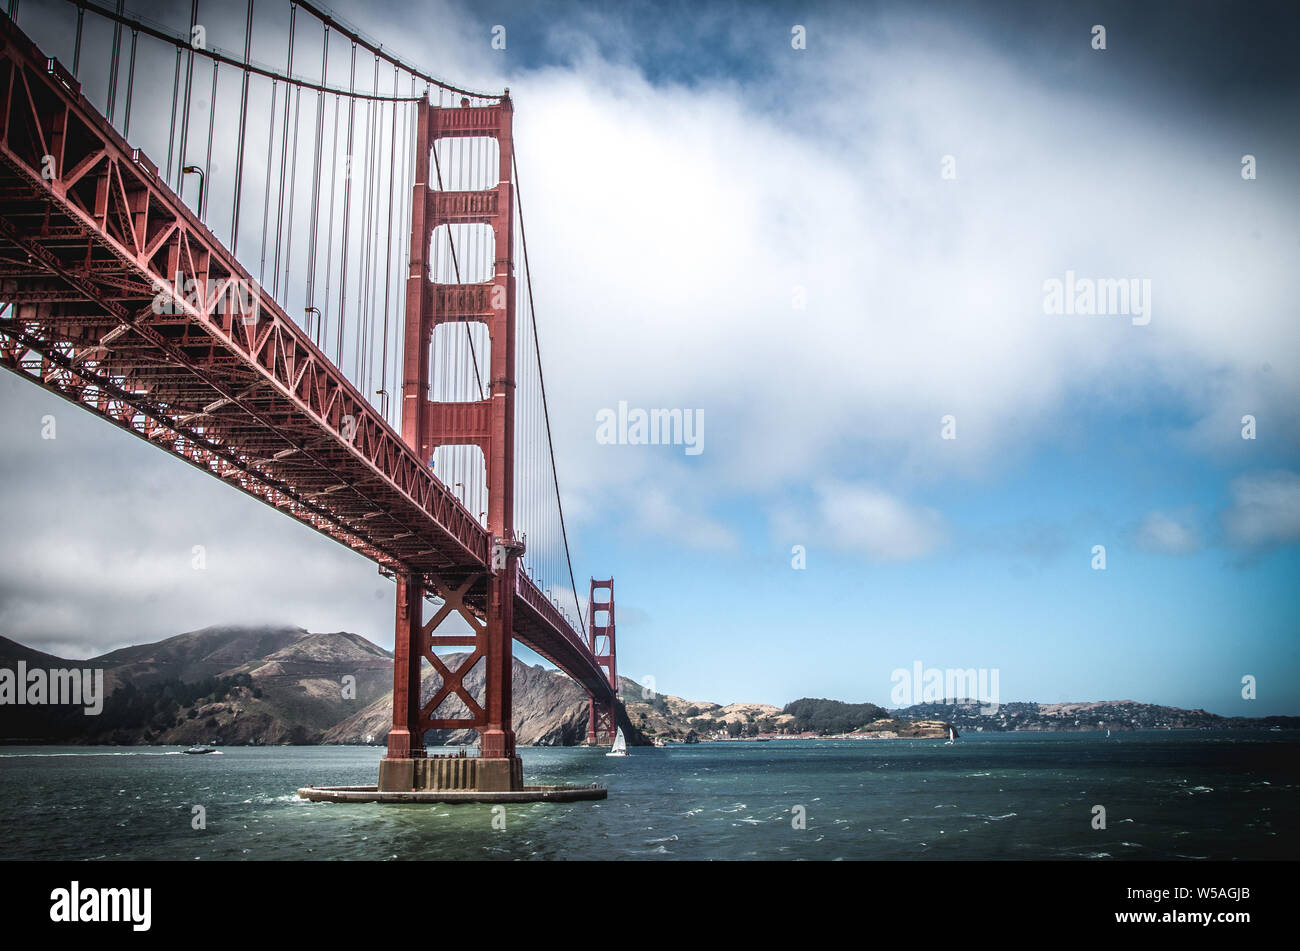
x=199 y=750
x=950 y=737
x=620 y=745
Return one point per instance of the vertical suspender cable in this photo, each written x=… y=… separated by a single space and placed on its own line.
x=284 y=156
x=76 y=49
x=408 y=195
x=212 y=126
x=171 y=116
x=313 y=234
x=266 y=192
x=243 y=130
x=347 y=203
x=365 y=289
x=388 y=245
x=329 y=242
x=130 y=84
x=293 y=182
x=189 y=85
x=113 y=64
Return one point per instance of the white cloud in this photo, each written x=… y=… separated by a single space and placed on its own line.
x=1160 y=532
x=1265 y=509
x=670 y=226
x=866 y=520
x=662 y=515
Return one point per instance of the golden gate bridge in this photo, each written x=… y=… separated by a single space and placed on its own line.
x=311 y=281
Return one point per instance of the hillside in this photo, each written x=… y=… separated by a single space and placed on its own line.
x=303 y=682
x=273 y=685
x=672 y=718
x=193 y=655
x=225 y=684
x=1114 y=715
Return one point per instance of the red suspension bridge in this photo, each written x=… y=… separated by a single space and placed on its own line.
x=403 y=413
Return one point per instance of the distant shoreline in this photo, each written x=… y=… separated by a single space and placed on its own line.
x=857 y=737
x=28 y=743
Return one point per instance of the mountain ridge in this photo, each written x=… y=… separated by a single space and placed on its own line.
x=277 y=684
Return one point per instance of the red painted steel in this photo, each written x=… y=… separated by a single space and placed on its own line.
x=125 y=304
x=487 y=424
x=601 y=720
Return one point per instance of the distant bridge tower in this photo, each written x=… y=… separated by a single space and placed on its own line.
x=488 y=424
x=602 y=717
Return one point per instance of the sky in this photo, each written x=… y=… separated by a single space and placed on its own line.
x=835 y=256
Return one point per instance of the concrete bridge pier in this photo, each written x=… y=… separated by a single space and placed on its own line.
x=463 y=773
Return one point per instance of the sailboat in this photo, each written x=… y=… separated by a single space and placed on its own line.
x=620 y=745
x=950 y=737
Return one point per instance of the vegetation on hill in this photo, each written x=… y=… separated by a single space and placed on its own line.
x=975 y=717
x=831 y=716
x=128 y=712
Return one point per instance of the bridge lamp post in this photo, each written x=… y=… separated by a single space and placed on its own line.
x=313 y=311
x=195 y=170
x=383 y=402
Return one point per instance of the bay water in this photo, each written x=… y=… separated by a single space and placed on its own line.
x=1166 y=795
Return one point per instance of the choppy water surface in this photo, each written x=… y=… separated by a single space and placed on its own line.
x=1195 y=795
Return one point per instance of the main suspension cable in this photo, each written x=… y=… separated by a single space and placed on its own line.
x=246 y=64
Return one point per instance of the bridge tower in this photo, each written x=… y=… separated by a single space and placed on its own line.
x=602 y=719
x=488 y=424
